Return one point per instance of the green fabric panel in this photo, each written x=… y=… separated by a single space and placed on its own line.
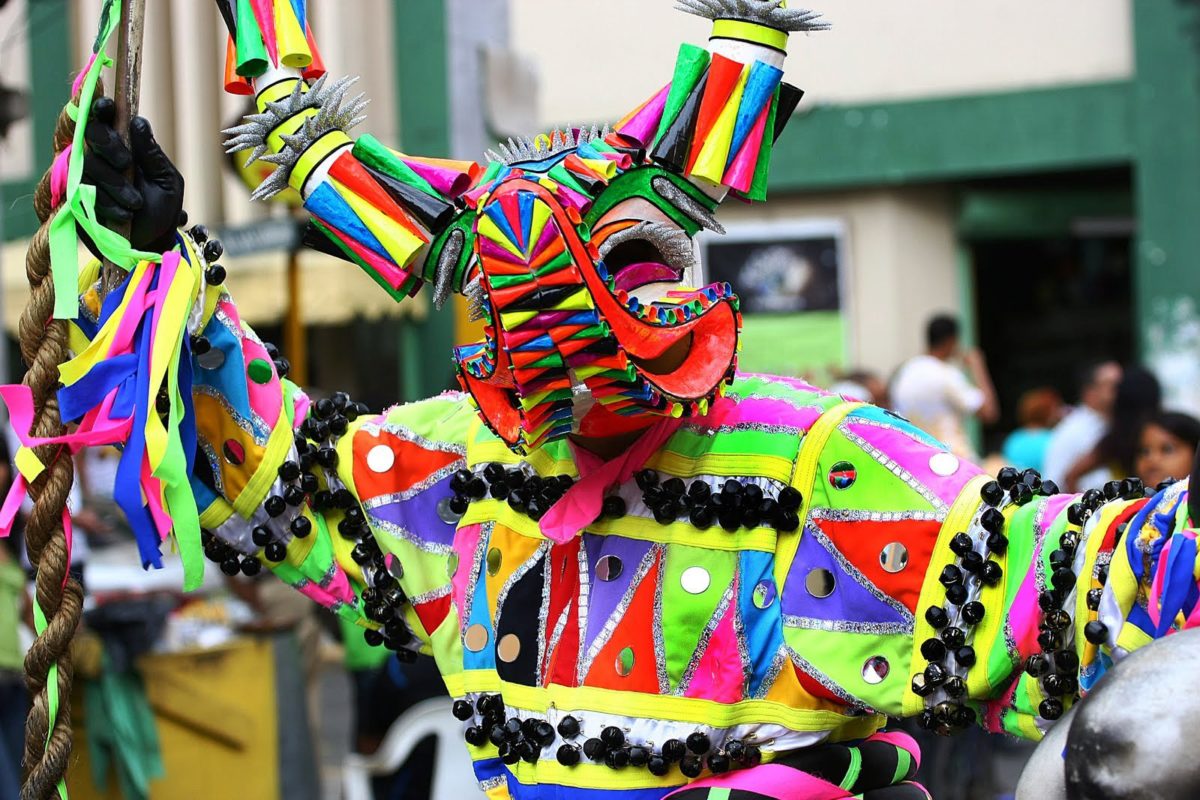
x=689 y=66
x=317 y=564
x=1022 y=539
x=446 y=418
x=841 y=655
x=875 y=489
x=374 y=154
x=686 y=615
x=758 y=189
x=697 y=445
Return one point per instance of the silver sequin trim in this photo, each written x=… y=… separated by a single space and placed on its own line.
x=430 y=596
x=544 y=615
x=846 y=626
x=660 y=643
x=745 y=427
x=400 y=532
x=214 y=464
x=585 y=582
x=860 y=515
x=900 y=472
x=408 y=494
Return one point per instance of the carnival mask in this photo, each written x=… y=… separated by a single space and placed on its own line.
x=576 y=248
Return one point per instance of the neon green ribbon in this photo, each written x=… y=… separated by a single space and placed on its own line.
x=79 y=206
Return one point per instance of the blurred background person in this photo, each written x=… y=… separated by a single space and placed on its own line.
x=1083 y=427
x=863 y=385
x=1138 y=399
x=933 y=392
x=1167 y=448
x=1038 y=411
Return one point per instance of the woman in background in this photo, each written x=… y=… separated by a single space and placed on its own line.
x=1167 y=448
x=1139 y=399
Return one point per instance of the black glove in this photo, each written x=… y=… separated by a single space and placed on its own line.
x=152 y=201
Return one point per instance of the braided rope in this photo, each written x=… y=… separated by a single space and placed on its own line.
x=43 y=342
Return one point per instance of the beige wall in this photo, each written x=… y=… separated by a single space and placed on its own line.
x=901 y=257
x=878 y=50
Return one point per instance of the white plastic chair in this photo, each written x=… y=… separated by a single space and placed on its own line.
x=453 y=777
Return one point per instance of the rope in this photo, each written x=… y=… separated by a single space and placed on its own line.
x=43 y=342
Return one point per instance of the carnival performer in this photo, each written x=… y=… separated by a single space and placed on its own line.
x=640 y=573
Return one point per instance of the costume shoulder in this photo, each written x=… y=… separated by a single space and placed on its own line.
x=411 y=447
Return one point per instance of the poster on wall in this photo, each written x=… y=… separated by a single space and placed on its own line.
x=791 y=280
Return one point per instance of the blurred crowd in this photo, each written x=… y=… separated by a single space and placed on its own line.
x=1115 y=426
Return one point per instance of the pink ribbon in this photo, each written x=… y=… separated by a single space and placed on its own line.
x=19 y=400
x=581 y=505
x=58 y=176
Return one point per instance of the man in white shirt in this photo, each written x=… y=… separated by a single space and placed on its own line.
x=934 y=393
x=1081 y=430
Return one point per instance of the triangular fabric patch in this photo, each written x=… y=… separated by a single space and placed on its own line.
x=719 y=674
x=508 y=552
x=846 y=599
x=519 y=634
x=613 y=562
x=628 y=661
x=694 y=583
x=906 y=548
x=850 y=478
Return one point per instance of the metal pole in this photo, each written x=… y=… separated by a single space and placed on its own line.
x=295 y=344
x=125 y=95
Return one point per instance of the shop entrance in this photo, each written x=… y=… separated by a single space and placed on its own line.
x=1050 y=301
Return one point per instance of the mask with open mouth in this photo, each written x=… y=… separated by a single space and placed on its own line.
x=585 y=266
x=577 y=247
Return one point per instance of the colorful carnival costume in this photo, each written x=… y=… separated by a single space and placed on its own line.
x=730 y=607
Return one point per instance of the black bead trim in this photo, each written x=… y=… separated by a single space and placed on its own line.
x=735 y=506
x=1010 y=487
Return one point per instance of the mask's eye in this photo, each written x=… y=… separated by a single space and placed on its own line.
x=647 y=253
